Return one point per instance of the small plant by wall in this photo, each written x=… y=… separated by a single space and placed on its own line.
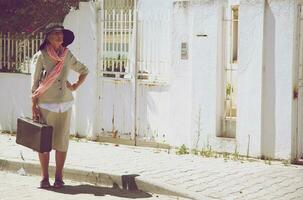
x=182 y=150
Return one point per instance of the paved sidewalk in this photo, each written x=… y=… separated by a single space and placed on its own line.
x=18 y=187
x=159 y=172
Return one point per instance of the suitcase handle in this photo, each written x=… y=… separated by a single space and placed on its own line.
x=39 y=122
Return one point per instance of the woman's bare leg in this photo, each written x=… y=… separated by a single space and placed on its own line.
x=44 y=162
x=60 y=160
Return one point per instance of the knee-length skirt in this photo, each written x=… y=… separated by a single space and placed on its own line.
x=61 y=128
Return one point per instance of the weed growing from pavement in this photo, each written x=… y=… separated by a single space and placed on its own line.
x=199 y=130
x=208 y=152
x=286 y=162
x=236 y=155
x=267 y=161
x=195 y=152
x=182 y=150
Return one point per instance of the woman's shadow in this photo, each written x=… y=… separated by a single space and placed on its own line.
x=100 y=191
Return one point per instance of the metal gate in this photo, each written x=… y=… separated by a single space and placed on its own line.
x=133 y=51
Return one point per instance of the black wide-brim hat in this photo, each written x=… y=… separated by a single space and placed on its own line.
x=68 y=35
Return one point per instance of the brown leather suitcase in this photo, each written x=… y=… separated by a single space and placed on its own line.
x=34 y=135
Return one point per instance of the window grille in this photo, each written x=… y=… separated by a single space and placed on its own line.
x=116 y=41
x=127 y=41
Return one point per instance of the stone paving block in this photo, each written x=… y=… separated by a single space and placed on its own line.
x=255 y=197
x=285 y=192
x=235 y=195
x=288 y=196
x=252 y=190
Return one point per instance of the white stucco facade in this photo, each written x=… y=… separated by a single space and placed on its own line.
x=187 y=108
x=15 y=99
x=278 y=79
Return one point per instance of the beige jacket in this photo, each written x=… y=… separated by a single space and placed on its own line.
x=58 y=92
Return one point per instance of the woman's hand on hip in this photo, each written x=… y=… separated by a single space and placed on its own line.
x=70 y=86
x=74 y=86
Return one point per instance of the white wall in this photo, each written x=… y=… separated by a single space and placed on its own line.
x=181 y=76
x=278 y=83
x=203 y=61
x=154 y=9
x=250 y=59
x=15 y=99
x=83 y=23
x=153 y=112
x=269 y=87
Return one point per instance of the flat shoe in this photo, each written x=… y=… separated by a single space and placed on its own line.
x=58 y=183
x=44 y=183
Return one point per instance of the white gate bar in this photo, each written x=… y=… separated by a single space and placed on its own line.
x=13 y=55
x=24 y=50
x=8 y=50
x=147 y=41
x=28 y=52
x=1 y=38
x=101 y=42
x=33 y=45
x=106 y=39
x=121 y=39
x=114 y=36
x=16 y=52
x=139 y=40
x=4 y=52
x=111 y=43
x=104 y=44
x=19 y=52
x=125 y=42
x=154 y=45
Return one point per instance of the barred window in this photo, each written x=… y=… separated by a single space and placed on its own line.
x=117 y=28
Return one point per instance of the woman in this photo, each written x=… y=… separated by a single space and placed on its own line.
x=52 y=98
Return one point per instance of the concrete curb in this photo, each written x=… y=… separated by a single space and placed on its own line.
x=101 y=179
